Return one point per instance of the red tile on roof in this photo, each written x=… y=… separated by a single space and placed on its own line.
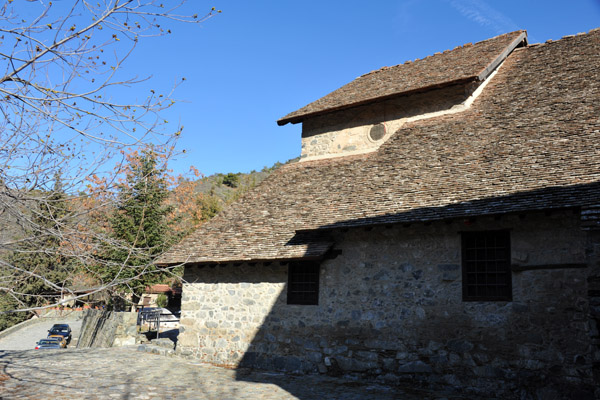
x=158 y=288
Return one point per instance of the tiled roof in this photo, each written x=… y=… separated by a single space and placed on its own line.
x=467 y=63
x=158 y=288
x=530 y=141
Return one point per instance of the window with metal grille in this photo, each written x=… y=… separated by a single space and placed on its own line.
x=303 y=283
x=486 y=266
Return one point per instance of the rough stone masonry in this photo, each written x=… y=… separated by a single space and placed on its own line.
x=390 y=307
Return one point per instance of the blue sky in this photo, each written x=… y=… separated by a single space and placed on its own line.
x=259 y=60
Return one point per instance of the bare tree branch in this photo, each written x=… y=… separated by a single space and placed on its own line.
x=65 y=133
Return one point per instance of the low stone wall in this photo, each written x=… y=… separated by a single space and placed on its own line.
x=101 y=328
x=63 y=313
x=19 y=326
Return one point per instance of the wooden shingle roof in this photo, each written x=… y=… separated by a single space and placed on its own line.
x=471 y=62
x=530 y=141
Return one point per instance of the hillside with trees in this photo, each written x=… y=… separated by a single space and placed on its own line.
x=220 y=189
x=121 y=229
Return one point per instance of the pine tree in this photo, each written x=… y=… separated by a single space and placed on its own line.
x=139 y=227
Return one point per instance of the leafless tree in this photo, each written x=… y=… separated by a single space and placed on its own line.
x=62 y=67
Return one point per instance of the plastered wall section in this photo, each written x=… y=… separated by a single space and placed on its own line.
x=346 y=132
x=391 y=306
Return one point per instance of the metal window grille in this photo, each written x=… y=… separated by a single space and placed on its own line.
x=486 y=266
x=303 y=283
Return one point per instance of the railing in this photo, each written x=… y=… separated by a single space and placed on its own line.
x=153 y=318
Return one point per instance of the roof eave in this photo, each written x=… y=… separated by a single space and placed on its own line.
x=466 y=216
x=300 y=118
x=247 y=261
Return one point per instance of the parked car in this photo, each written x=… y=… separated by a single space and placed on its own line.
x=48 y=344
x=61 y=339
x=63 y=330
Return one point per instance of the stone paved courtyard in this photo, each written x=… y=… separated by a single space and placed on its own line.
x=125 y=373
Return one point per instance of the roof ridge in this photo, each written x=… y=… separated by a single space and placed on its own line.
x=574 y=35
x=439 y=53
x=504 y=34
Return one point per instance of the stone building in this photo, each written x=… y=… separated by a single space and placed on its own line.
x=442 y=225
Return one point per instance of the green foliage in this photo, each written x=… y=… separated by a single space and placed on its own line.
x=273 y=167
x=38 y=267
x=217 y=191
x=7 y=303
x=209 y=206
x=139 y=227
x=231 y=180
x=162 y=300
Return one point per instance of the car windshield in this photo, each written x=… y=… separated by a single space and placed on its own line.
x=47 y=341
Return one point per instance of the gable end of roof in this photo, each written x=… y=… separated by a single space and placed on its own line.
x=471 y=63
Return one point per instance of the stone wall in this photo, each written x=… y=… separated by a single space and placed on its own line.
x=224 y=308
x=594 y=300
x=347 y=132
x=62 y=313
x=101 y=328
x=390 y=306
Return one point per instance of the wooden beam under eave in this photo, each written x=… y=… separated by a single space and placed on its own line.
x=521 y=268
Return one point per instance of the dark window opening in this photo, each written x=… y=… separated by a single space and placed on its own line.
x=303 y=283
x=377 y=132
x=486 y=266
